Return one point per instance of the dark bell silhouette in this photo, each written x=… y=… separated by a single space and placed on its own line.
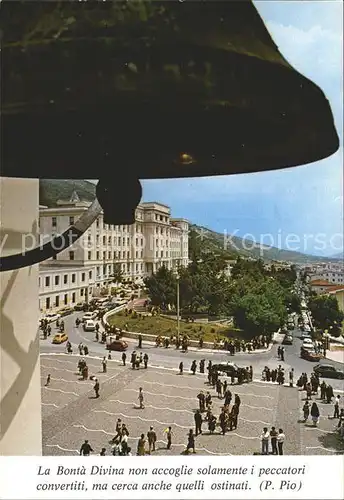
x=152 y=90
x=122 y=91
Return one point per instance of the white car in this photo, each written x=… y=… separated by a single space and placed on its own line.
x=90 y=315
x=308 y=344
x=89 y=325
x=50 y=317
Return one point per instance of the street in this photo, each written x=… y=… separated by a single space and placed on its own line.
x=72 y=414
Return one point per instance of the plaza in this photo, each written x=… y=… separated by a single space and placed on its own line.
x=71 y=413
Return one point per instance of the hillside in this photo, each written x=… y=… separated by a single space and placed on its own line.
x=52 y=190
x=55 y=189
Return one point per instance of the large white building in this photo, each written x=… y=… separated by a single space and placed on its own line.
x=138 y=250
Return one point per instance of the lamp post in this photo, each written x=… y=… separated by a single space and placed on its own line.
x=178 y=307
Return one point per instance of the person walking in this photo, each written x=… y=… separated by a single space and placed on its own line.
x=198 y=422
x=336 y=407
x=85 y=350
x=145 y=360
x=280 y=441
x=234 y=417
x=273 y=437
x=140 y=398
x=85 y=449
x=193 y=367
x=168 y=432
x=133 y=359
x=315 y=414
x=228 y=397
x=191 y=442
x=124 y=358
x=181 y=368
x=49 y=378
x=219 y=388
x=237 y=400
x=141 y=445
x=323 y=390
x=96 y=388
x=291 y=378
x=151 y=436
x=282 y=353
x=305 y=410
x=104 y=362
x=329 y=394
x=201 y=401
x=265 y=441
x=102 y=452
x=140 y=341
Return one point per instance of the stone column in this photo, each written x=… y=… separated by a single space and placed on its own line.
x=20 y=387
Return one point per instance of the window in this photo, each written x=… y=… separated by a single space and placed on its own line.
x=123 y=241
x=83 y=277
x=97 y=239
x=65 y=279
x=97 y=255
x=119 y=241
x=137 y=241
x=97 y=223
x=73 y=278
x=57 y=301
x=104 y=255
x=47 y=281
x=161 y=230
x=66 y=299
x=157 y=254
x=137 y=267
x=89 y=255
x=82 y=292
x=128 y=241
x=157 y=242
x=109 y=255
x=71 y=255
x=57 y=280
x=90 y=275
x=71 y=220
x=104 y=240
x=73 y=297
x=53 y=221
x=109 y=240
x=128 y=255
x=47 y=303
x=161 y=253
x=136 y=254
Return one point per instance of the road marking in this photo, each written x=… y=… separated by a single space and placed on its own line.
x=201 y=388
x=58 y=369
x=93 y=430
x=151 y=406
x=51 y=404
x=60 y=448
x=60 y=390
x=181 y=410
x=160 y=394
x=311 y=428
x=143 y=419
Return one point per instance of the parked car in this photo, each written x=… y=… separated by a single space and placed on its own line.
x=328 y=371
x=66 y=311
x=305 y=335
x=116 y=345
x=288 y=340
x=310 y=355
x=90 y=315
x=89 y=325
x=79 y=306
x=308 y=345
x=230 y=369
x=59 y=338
x=51 y=317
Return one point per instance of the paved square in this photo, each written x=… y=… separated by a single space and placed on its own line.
x=71 y=414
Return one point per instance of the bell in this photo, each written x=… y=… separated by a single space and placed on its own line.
x=152 y=89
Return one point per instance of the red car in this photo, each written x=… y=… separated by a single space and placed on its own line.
x=116 y=345
x=310 y=355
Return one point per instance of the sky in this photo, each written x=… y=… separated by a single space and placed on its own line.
x=299 y=208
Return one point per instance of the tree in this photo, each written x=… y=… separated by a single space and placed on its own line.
x=117 y=273
x=325 y=312
x=162 y=287
x=258 y=305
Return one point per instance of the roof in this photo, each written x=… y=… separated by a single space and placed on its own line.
x=321 y=283
x=337 y=288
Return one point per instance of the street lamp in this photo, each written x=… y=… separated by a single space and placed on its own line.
x=178 y=307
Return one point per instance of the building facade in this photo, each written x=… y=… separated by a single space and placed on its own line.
x=138 y=250
x=64 y=286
